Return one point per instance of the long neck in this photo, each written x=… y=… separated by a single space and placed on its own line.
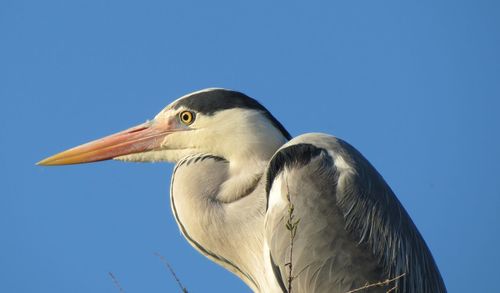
x=228 y=231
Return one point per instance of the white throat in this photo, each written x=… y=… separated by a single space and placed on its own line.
x=243 y=178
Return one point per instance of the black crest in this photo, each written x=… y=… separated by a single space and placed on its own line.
x=212 y=101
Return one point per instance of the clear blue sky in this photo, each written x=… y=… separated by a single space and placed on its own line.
x=415 y=86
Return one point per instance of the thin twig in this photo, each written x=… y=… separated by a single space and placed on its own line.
x=183 y=289
x=115 y=281
x=379 y=284
x=291 y=226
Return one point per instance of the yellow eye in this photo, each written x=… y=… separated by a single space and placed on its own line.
x=186 y=117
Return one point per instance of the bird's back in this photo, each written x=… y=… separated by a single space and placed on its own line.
x=350 y=228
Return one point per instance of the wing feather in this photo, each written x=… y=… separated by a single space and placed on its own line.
x=352 y=227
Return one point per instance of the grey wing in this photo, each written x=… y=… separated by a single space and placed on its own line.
x=352 y=230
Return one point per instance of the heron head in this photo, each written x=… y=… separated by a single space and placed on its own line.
x=222 y=122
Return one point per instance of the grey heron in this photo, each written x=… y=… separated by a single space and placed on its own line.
x=238 y=172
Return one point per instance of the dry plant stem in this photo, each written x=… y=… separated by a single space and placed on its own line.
x=115 y=281
x=290 y=263
x=183 y=289
x=291 y=226
x=379 y=284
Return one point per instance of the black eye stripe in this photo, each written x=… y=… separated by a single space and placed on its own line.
x=212 y=101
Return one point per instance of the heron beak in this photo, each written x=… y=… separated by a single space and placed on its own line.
x=141 y=138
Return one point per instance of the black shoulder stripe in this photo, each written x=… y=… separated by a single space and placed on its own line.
x=292 y=156
x=212 y=101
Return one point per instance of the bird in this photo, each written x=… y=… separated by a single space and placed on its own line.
x=302 y=214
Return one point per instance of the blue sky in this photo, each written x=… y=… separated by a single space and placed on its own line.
x=414 y=85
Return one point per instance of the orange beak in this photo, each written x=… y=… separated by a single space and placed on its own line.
x=141 y=138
